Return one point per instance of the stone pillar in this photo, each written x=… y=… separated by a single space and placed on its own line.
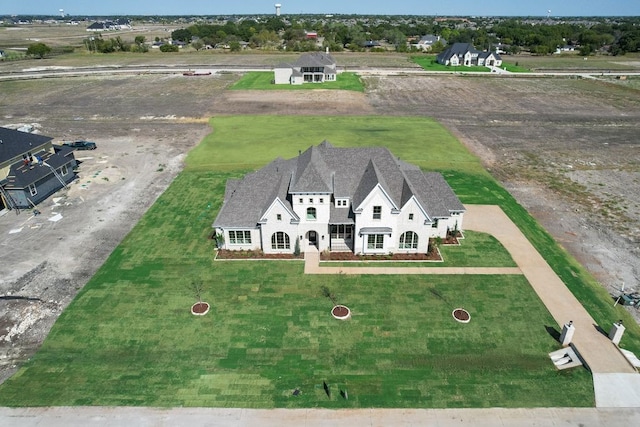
x=567 y=333
x=616 y=332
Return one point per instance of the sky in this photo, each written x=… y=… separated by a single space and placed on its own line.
x=361 y=7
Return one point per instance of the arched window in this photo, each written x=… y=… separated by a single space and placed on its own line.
x=280 y=240
x=409 y=240
x=311 y=214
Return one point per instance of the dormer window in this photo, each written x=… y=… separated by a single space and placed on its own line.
x=410 y=217
x=377 y=212
x=279 y=217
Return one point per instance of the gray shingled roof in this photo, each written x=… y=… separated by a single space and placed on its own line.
x=348 y=172
x=315 y=59
x=20 y=176
x=15 y=143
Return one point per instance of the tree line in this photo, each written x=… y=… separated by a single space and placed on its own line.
x=516 y=34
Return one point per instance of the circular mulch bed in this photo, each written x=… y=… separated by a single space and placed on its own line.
x=341 y=312
x=200 y=308
x=461 y=315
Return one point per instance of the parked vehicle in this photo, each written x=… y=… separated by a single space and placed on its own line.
x=81 y=145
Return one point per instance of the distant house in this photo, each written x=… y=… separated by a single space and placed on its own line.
x=362 y=200
x=1 y=53
x=427 y=42
x=119 y=24
x=98 y=26
x=368 y=44
x=565 y=49
x=314 y=67
x=466 y=55
x=31 y=168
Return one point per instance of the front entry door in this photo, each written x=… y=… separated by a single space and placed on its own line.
x=313 y=238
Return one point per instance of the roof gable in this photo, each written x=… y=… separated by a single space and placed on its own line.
x=312 y=174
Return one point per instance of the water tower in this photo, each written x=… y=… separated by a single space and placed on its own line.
x=278 y=6
x=61 y=12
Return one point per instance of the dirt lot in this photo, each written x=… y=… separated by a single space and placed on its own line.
x=567 y=149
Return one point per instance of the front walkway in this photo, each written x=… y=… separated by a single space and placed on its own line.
x=610 y=368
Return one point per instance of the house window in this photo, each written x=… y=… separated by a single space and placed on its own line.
x=435 y=224
x=279 y=217
x=239 y=237
x=32 y=189
x=280 y=240
x=64 y=170
x=409 y=240
x=300 y=200
x=311 y=214
x=321 y=200
x=410 y=217
x=375 y=241
x=311 y=201
x=377 y=212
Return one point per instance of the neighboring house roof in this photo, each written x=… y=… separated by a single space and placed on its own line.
x=14 y=143
x=315 y=59
x=343 y=172
x=25 y=175
x=430 y=39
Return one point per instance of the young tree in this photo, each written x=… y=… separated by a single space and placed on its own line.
x=197 y=44
x=39 y=50
x=169 y=48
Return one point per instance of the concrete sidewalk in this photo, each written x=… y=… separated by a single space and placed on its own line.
x=220 y=417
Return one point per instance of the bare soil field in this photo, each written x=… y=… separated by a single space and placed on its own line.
x=567 y=149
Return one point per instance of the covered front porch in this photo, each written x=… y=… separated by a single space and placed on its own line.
x=341 y=237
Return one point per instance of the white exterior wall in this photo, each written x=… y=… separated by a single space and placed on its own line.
x=365 y=219
x=255 y=239
x=272 y=226
x=297 y=80
x=454 y=221
x=282 y=76
x=416 y=225
x=320 y=225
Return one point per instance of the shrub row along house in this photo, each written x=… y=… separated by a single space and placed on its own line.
x=363 y=200
x=31 y=168
x=465 y=54
x=314 y=67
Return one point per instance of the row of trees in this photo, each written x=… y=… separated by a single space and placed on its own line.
x=539 y=37
x=115 y=44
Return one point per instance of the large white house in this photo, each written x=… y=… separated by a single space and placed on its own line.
x=363 y=200
x=314 y=67
x=464 y=54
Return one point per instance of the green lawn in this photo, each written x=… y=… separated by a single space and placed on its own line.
x=129 y=339
x=428 y=62
x=263 y=80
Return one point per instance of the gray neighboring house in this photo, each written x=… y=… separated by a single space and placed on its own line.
x=314 y=67
x=426 y=42
x=32 y=168
x=466 y=55
x=364 y=200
